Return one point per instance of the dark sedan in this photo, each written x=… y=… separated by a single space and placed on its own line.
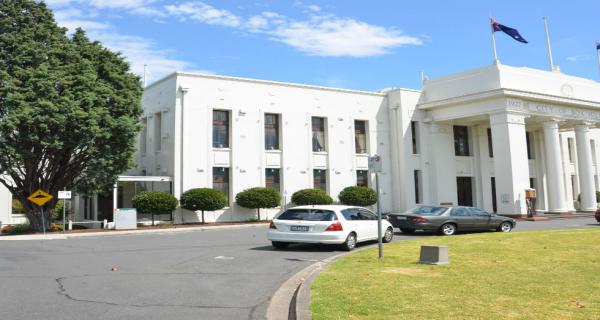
x=447 y=220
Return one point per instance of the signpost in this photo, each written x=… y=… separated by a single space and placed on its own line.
x=64 y=195
x=376 y=166
x=40 y=198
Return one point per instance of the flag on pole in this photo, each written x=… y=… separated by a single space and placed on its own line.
x=513 y=33
x=597 y=45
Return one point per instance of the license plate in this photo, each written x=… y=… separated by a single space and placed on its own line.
x=299 y=228
x=400 y=218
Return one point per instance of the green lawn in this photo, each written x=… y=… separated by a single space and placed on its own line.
x=520 y=275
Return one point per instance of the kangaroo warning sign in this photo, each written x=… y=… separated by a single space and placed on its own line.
x=40 y=197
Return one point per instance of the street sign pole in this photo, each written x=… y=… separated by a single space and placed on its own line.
x=379 y=240
x=43 y=220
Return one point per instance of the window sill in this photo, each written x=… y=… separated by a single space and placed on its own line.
x=320 y=152
x=221 y=149
x=273 y=150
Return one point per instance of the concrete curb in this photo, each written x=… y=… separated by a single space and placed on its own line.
x=292 y=299
x=60 y=236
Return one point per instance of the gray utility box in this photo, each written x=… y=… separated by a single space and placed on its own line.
x=437 y=255
x=125 y=218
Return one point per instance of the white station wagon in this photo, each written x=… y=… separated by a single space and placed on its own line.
x=327 y=224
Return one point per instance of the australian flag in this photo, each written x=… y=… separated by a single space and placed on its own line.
x=597 y=45
x=513 y=33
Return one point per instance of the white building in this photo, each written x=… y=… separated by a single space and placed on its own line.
x=476 y=138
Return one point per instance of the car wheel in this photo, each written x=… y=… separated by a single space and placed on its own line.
x=350 y=242
x=407 y=230
x=388 y=236
x=505 y=227
x=280 y=245
x=448 y=229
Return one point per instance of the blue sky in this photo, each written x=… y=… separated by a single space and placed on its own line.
x=366 y=45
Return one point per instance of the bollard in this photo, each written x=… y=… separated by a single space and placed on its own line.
x=0 y=228
x=104 y=224
x=437 y=255
x=70 y=225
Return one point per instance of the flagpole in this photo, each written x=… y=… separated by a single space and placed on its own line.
x=493 y=40
x=598 y=54
x=550 y=61
x=145 y=75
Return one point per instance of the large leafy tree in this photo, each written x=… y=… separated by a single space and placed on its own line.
x=69 y=108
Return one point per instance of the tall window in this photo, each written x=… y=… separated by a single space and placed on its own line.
x=144 y=136
x=272 y=179
x=415 y=136
x=320 y=179
x=593 y=147
x=494 y=203
x=529 y=140
x=418 y=187
x=490 y=146
x=362 y=178
x=360 y=136
x=157 y=131
x=88 y=208
x=221 y=180
x=461 y=141
x=220 y=129
x=570 y=149
x=271 y=131
x=318 y=134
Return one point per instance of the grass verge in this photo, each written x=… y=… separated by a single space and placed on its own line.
x=522 y=275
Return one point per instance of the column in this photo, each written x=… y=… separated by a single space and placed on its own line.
x=554 y=171
x=511 y=167
x=586 y=173
x=443 y=168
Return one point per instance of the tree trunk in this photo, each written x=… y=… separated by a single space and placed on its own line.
x=202 y=216
x=258 y=209
x=35 y=219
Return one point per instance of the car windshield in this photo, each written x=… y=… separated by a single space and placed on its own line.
x=427 y=211
x=308 y=214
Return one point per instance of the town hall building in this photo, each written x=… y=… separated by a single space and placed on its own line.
x=478 y=138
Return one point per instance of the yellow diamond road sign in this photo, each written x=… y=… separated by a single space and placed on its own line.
x=40 y=197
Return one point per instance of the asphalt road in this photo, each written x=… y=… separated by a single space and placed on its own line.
x=214 y=274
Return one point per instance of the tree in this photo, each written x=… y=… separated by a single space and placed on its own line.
x=69 y=109
x=358 y=196
x=203 y=199
x=311 y=197
x=154 y=202
x=257 y=198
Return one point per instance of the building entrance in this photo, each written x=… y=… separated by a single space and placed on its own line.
x=464 y=187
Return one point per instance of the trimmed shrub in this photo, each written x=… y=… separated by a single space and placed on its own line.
x=57 y=212
x=154 y=202
x=17 y=228
x=358 y=196
x=311 y=197
x=257 y=198
x=203 y=199
x=597 y=197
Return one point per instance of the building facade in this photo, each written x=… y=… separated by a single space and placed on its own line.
x=478 y=138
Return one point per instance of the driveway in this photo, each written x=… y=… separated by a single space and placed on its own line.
x=213 y=274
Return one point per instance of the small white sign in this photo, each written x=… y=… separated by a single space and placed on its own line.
x=375 y=164
x=64 y=195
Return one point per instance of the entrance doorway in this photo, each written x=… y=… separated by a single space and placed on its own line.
x=105 y=206
x=464 y=187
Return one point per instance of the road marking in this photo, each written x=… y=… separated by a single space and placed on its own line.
x=224 y=258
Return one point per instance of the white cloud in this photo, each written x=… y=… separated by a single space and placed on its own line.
x=578 y=57
x=313 y=8
x=335 y=37
x=74 y=18
x=205 y=13
x=120 y=3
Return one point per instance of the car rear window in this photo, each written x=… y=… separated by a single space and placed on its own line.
x=427 y=211
x=308 y=214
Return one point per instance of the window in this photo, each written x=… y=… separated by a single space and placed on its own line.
x=417 y=176
x=494 y=203
x=88 y=207
x=143 y=136
x=351 y=214
x=221 y=180
x=461 y=141
x=573 y=186
x=479 y=213
x=318 y=134
x=490 y=146
x=593 y=147
x=320 y=179
x=308 y=215
x=220 y=129
x=365 y=214
x=272 y=179
x=570 y=149
x=532 y=183
x=460 y=212
x=528 y=139
x=271 y=131
x=360 y=136
x=157 y=131
x=362 y=178
x=414 y=133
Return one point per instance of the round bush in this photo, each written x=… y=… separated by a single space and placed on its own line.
x=203 y=199
x=311 y=197
x=154 y=202
x=256 y=198
x=358 y=196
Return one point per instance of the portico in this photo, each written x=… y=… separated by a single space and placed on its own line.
x=530 y=129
